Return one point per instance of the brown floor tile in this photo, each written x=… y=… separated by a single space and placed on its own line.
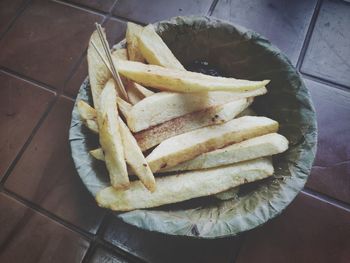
x=331 y=172
x=73 y=84
x=21 y=106
x=8 y=11
x=308 y=231
x=45 y=174
x=104 y=5
x=154 y=247
x=153 y=10
x=284 y=23
x=328 y=53
x=115 y=31
x=102 y=255
x=27 y=236
x=46 y=41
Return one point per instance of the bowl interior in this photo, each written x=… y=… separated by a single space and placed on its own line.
x=239 y=53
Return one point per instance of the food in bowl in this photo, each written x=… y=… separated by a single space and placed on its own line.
x=202 y=139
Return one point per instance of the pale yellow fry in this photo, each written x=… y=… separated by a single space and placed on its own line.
x=155 y=51
x=92 y=125
x=86 y=111
x=87 y=115
x=135 y=91
x=164 y=106
x=184 y=186
x=120 y=53
x=189 y=145
x=132 y=151
x=98 y=154
x=144 y=91
x=110 y=137
x=124 y=106
x=98 y=72
x=132 y=35
x=183 y=81
x=134 y=95
x=135 y=159
x=261 y=146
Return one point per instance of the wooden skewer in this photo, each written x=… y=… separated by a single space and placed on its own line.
x=104 y=60
x=101 y=56
x=114 y=72
x=112 y=66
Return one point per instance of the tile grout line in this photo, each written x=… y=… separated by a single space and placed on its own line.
x=243 y=237
x=212 y=7
x=29 y=80
x=16 y=16
x=308 y=34
x=124 y=19
x=89 y=252
x=325 y=81
x=327 y=199
x=80 y=7
x=67 y=98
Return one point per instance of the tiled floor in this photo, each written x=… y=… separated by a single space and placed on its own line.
x=28 y=236
x=328 y=54
x=46 y=213
x=283 y=22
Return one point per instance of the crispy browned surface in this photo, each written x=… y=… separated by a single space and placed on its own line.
x=188 y=122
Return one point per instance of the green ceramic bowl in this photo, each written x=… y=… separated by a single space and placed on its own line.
x=240 y=53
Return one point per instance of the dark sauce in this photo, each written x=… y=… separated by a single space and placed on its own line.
x=203 y=67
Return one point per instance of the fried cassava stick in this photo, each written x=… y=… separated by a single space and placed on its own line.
x=261 y=146
x=189 y=145
x=184 y=186
x=183 y=81
x=110 y=137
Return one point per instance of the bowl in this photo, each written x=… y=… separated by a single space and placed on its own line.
x=240 y=53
